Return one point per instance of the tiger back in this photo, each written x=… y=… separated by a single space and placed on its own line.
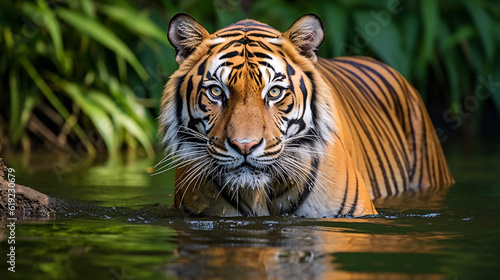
x=256 y=124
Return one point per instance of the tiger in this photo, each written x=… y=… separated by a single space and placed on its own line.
x=256 y=124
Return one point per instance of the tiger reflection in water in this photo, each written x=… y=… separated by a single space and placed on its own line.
x=301 y=249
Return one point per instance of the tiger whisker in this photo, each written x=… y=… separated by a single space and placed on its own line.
x=193 y=172
x=179 y=164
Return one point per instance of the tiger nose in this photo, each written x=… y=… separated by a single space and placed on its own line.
x=244 y=146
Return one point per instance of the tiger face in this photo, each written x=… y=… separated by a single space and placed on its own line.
x=240 y=110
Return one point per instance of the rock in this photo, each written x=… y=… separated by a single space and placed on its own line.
x=28 y=202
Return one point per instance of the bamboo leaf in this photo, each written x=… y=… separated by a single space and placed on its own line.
x=103 y=35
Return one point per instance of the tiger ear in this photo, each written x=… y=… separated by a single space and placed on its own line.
x=185 y=34
x=306 y=34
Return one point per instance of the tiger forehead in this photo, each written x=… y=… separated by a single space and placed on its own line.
x=248 y=28
x=239 y=64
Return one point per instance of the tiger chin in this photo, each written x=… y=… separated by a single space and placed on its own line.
x=256 y=124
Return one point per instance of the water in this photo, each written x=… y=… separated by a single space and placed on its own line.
x=120 y=229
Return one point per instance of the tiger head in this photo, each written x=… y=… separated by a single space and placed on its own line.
x=247 y=108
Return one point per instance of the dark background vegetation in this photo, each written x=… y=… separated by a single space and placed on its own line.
x=89 y=74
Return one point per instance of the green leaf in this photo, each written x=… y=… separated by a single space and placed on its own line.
x=429 y=11
x=15 y=103
x=484 y=26
x=136 y=111
x=410 y=34
x=103 y=35
x=44 y=88
x=54 y=29
x=461 y=34
x=88 y=7
x=56 y=103
x=335 y=20
x=450 y=62
x=383 y=39
x=123 y=120
x=20 y=111
x=140 y=24
x=126 y=99
x=476 y=54
x=99 y=118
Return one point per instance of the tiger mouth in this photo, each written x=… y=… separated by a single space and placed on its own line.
x=243 y=176
x=246 y=166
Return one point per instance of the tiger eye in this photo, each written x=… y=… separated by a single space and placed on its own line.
x=274 y=92
x=216 y=91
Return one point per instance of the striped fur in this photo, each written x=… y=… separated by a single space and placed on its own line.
x=255 y=124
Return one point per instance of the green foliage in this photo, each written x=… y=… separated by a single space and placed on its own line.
x=76 y=67
x=80 y=67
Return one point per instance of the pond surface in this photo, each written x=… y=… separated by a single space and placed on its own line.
x=120 y=229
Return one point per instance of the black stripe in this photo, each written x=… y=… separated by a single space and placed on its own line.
x=201 y=68
x=230 y=54
x=349 y=102
x=192 y=120
x=264 y=46
x=353 y=208
x=255 y=34
x=346 y=189
x=250 y=29
x=308 y=186
x=380 y=124
x=289 y=69
x=189 y=90
x=305 y=93
x=234 y=34
x=261 y=55
x=288 y=109
x=178 y=98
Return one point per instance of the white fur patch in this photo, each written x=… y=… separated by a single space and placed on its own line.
x=216 y=41
x=275 y=41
